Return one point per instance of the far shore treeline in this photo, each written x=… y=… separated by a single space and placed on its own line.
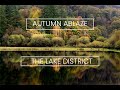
x=106 y=33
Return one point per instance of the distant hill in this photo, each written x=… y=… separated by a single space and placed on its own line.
x=103 y=6
x=116 y=6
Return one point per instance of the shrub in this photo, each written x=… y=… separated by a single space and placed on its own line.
x=101 y=38
x=73 y=41
x=15 y=40
x=115 y=36
x=115 y=25
x=48 y=36
x=39 y=41
x=89 y=45
x=5 y=39
x=117 y=44
x=58 y=41
x=25 y=41
x=20 y=31
x=84 y=40
x=82 y=45
x=47 y=42
x=106 y=44
x=97 y=44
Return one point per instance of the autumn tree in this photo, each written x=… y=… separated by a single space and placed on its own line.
x=73 y=40
x=56 y=31
x=58 y=41
x=24 y=13
x=84 y=40
x=114 y=38
x=35 y=12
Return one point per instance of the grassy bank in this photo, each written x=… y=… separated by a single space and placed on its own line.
x=55 y=49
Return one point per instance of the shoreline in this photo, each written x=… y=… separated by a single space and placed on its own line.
x=56 y=49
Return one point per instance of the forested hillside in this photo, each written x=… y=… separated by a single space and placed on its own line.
x=106 y=34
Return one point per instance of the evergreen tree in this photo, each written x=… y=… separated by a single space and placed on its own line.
x=9 y=16
x=12 y=15
x=2 y=21
x=50 y=11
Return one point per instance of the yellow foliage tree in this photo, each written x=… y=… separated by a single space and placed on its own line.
x=33 y=32
x=56 y=31
x=35 y=12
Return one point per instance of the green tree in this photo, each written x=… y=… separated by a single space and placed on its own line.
x=115 y=24
x=12 y=15
x=62 y=10
x=50 y=11
x=9 y=16
x=3 y=23
x=94 y=34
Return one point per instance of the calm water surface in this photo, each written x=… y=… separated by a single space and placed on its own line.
x=13 y=74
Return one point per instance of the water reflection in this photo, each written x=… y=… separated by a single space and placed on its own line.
x=12 y=73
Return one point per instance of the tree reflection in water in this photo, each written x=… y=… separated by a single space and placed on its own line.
x=12 y=73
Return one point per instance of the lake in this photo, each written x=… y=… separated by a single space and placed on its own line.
x=11 y=73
